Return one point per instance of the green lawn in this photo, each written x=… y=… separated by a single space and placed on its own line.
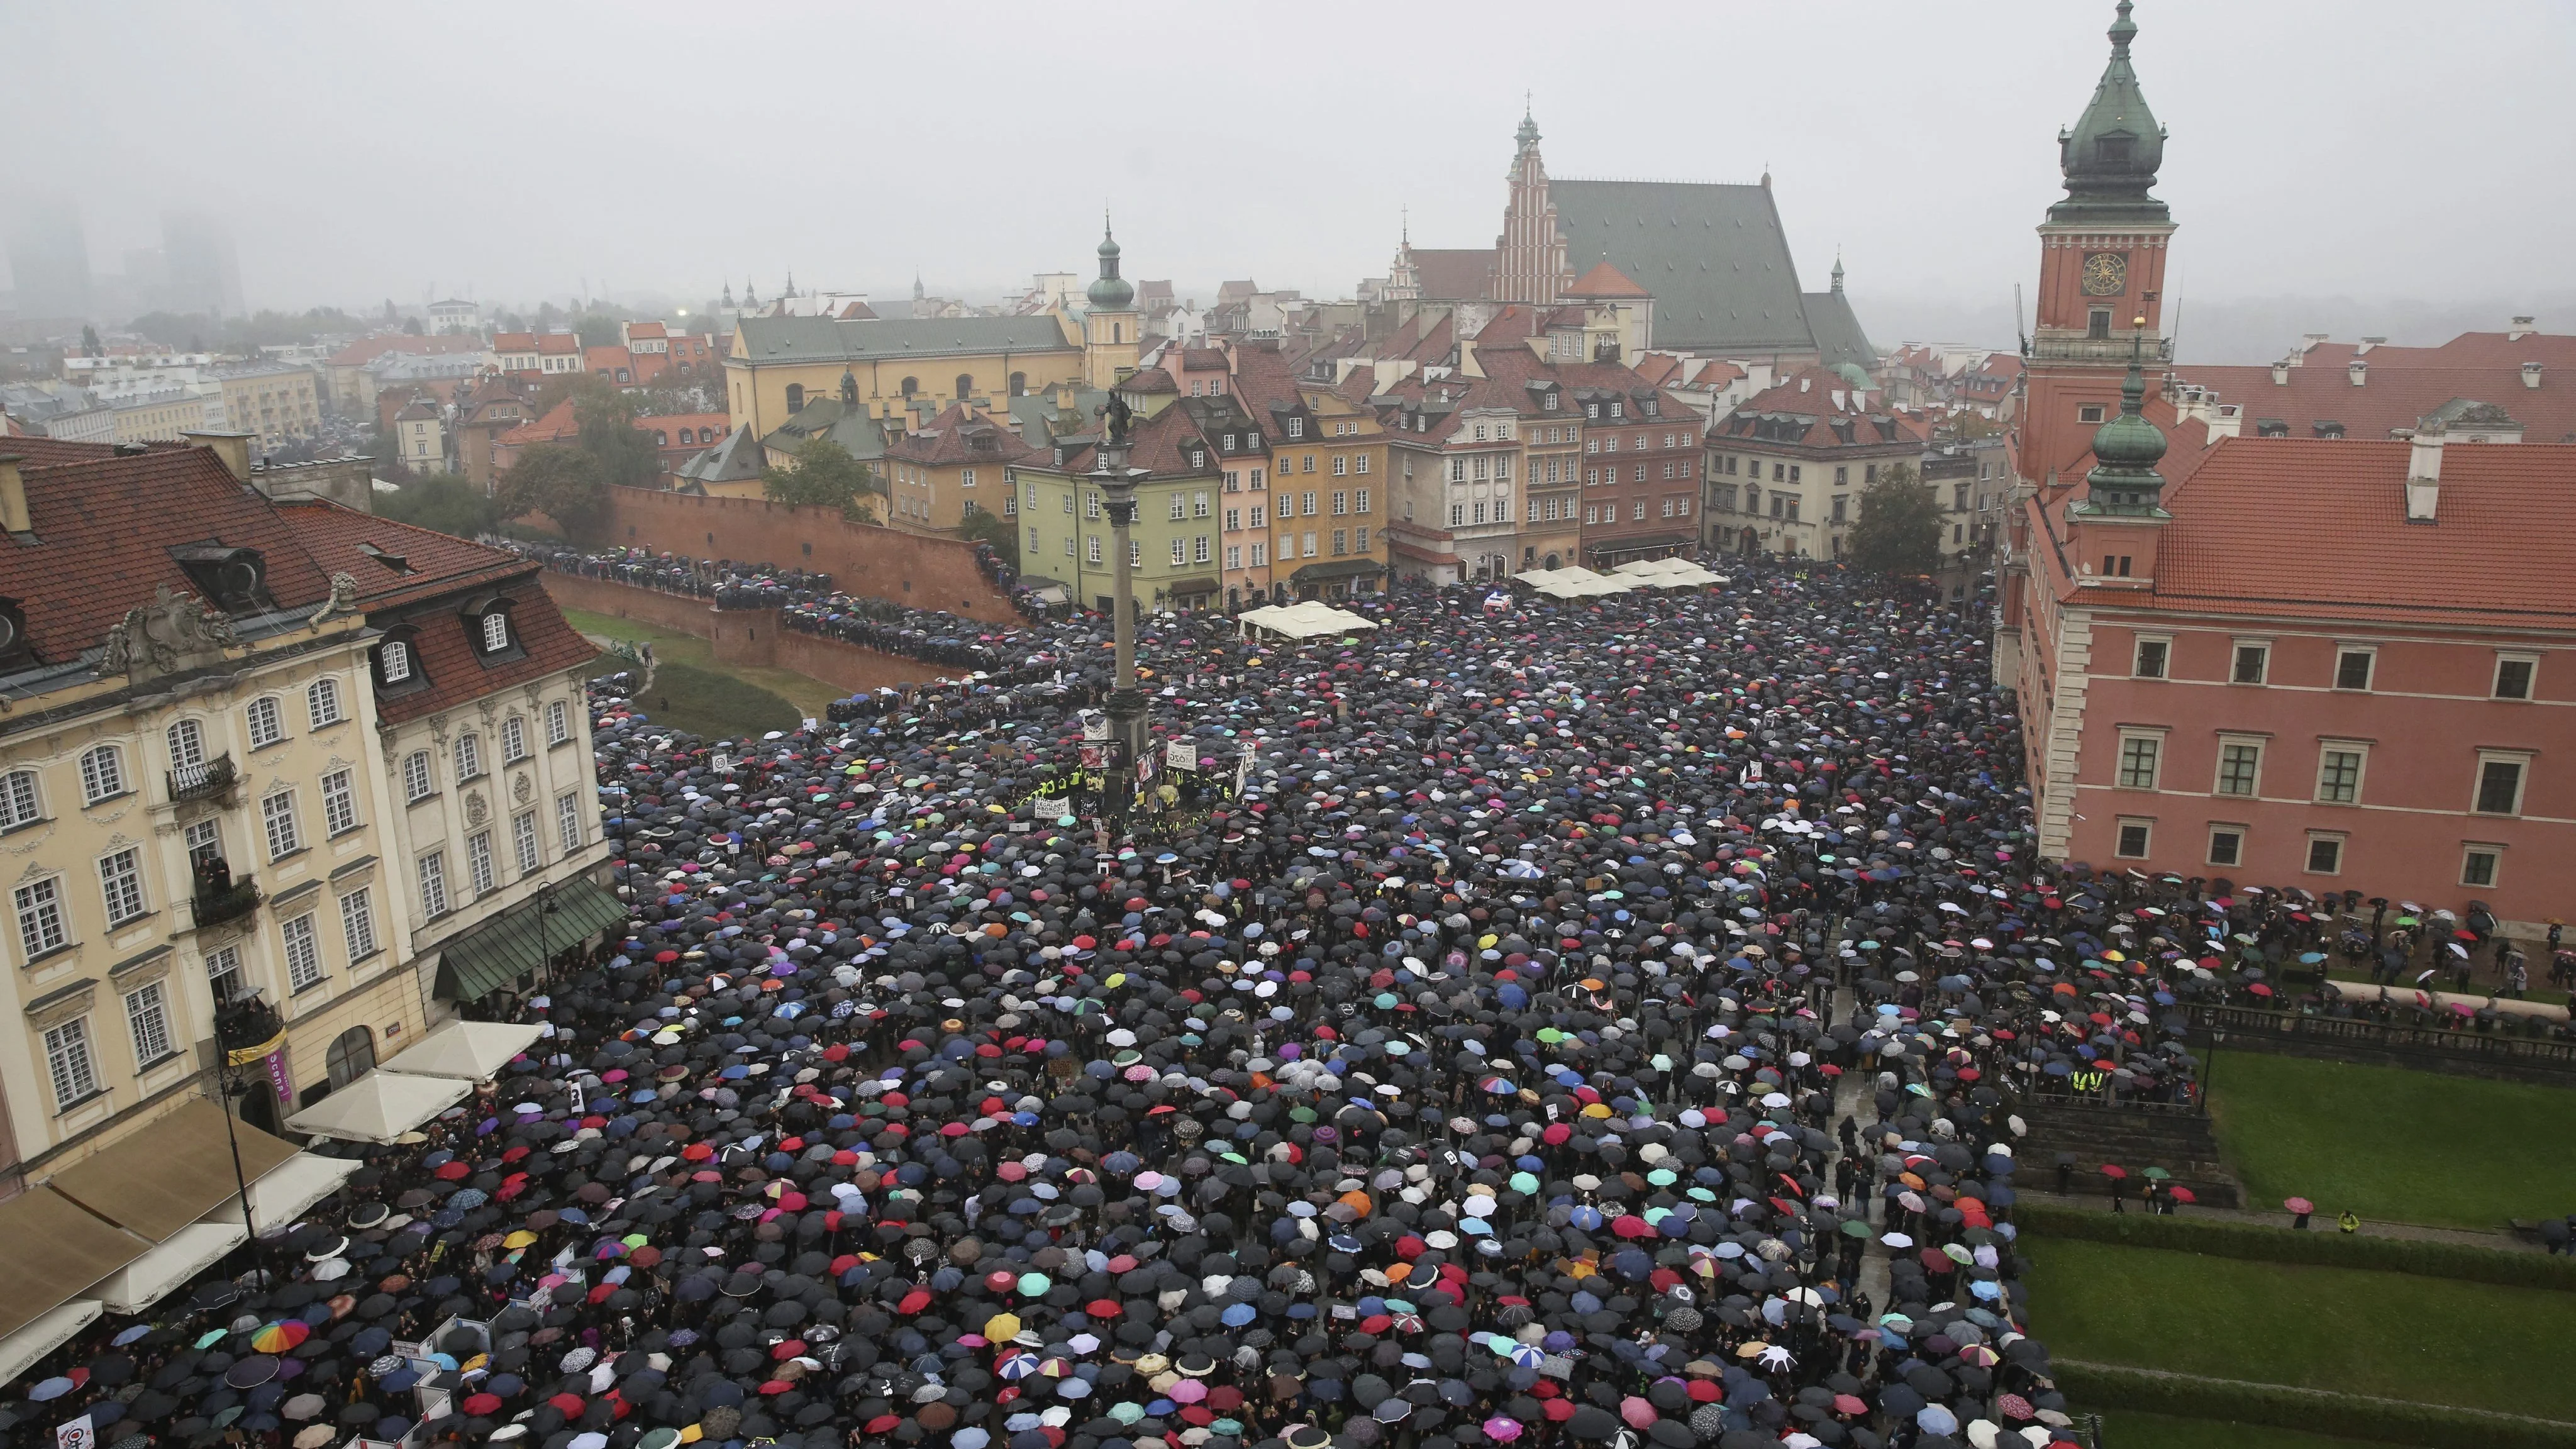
x=2384 y=1334
x=2394 y=1144
x=713 y=706
x=807 y=696
x=2122 y=1429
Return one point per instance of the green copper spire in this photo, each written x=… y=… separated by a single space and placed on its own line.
x=1528 y=133
x=2125 y=452
x=2111 y=156
x=1111 y=292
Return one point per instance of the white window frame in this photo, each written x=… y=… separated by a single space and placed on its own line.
x=2235 y=650
x=2120 y=827
x=277 y=820
x=568 y=821
x=431 y=873
x=120 y=886
x=2137 y=656
x=393 y=659
x=514 y=739
x=186 y=740
x=358 y=924
x=224 y=963
x=558 y=722
x=419 y=783
x=2218 y=773
x=2521 y=761
x=303 y=954
x=2531 y=681
x=493 y=632
x=528 y=841
x=22 y=799
x=2156 y=767
x=44 y=925
x=322 y=703
x=2308 y=853
x=2361 y=769
x=147 y=1024
x=469 y=756
x=2370 y=682
x=102 y=774
x=478 y=862
x=265 y=722
x=339 y=803
x=70 y=1065
x=2217 y=829
x=2470 y=850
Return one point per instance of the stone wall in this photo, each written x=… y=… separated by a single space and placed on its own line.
x=863 y=559
x=677 y=613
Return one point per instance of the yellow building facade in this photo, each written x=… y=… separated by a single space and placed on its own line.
x=274 y=403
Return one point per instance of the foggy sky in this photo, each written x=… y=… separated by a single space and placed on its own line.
x=2371 y=148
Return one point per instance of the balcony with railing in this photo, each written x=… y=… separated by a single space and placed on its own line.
x=2052 y=344
x=212 y=907
x=205 y=781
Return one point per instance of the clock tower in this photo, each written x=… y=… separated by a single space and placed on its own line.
x=2101 y=271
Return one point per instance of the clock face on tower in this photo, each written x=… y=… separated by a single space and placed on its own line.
x=2106 y=274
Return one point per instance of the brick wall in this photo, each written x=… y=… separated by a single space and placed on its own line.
x=925 y=573
x=752 y=637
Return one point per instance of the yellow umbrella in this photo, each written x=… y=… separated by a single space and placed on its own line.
x=1002 y=1327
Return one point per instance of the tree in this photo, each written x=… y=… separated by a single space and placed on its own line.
x=89 y=341
x=984 y=526
x=625 y=453
x=442 y=501
x=411 y=327
x=1899 y=529
x=826 y=475
x=599 y=328
x=559 y=480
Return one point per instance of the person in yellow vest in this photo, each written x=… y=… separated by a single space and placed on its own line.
x=2350 y=1221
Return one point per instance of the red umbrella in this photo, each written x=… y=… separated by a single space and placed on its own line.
x=2182 y=1194
x=479 y=1404
x=2298 y=1205
x=2114 y=1170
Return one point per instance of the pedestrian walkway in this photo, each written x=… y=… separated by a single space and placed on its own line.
x=2321 y=1222
x=1851 y=1095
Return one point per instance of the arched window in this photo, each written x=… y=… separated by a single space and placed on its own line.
x=322 y=702
x=965 y=386
x=911 y=385
x=352 y=1055
x=393 y=661
x=796 y=397
x=102 y=774
x=496 y=631
x=187 y=745
x=1019 y=384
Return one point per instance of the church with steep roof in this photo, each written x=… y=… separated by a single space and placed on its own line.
x=1712 y=257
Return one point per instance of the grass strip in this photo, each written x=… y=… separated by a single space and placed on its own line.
x=2317 y=1411
x=2325 y=1248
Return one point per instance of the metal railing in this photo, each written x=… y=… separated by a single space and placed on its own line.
x=2068 y=347
x=2392 y=1036
x=213 y=908
x=202 y=781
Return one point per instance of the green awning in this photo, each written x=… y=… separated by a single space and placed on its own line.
x=497 y=954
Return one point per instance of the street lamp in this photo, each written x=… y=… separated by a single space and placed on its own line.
x=2217 y=1038
x=1126 y=706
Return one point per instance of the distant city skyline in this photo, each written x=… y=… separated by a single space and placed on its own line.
x=1922 y=171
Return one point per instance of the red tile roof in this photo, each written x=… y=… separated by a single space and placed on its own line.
x=2318 y=527
x=560 y=344
x=608 y=359
x=514 y=342
x=958 y=437
x=646 y=329
x=1835 y=407
x=2395 y=392
x=103 y=533
x=1605 y=280
x=1454 y=274
x=35 y=452
x=433 y=563
x=556 y=426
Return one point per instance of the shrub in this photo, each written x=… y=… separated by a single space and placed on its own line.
x=2505 y=1267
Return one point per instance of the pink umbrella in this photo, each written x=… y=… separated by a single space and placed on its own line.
x=1188 y=1391
x=1636 y=1411
x=1502 y=1430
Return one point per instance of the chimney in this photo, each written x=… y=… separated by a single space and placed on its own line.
x=13 y=498
x=2424 y=474
x=2281 y=372
x=2309 y=342
x=2368 y=343
x=233 y=448
x=2360 y=372
x=2522 y=327
x=2531 y=374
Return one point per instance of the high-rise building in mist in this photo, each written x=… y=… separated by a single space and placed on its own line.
x=48 y=256
x=204 y=276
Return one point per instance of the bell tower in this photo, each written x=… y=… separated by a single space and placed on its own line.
x=1110 y=344
x=2101 y=269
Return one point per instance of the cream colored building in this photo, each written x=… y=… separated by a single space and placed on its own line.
x=277 y=403
x=161 y=417
x=202 y=788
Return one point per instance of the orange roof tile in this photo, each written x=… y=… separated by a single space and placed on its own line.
x=1605 y=280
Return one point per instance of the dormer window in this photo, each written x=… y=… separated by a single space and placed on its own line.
x=393 y=661
x=235 y=580
x=1296 y=428
x=397 y=660
x=491 y=630
x=1653 y=408
x=496 y=632
x=1592 y=410
x=1618 y=409
x=1549 y=402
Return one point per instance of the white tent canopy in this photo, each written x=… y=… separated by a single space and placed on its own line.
x=379 y=1106
x=280 y=1195
x=48 y=1332
x=1669 y=573
x=1306 y=619
x=148 y=1279
x=473 y=1051
x=1582 y=583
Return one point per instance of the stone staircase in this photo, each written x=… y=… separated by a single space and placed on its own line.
x=2181 y=1142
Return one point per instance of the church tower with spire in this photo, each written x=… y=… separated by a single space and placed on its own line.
x=1110 y=321
x=1529 y=257
x=2101 y=271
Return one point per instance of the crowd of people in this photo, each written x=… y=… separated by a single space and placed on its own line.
x=1594 y=1024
